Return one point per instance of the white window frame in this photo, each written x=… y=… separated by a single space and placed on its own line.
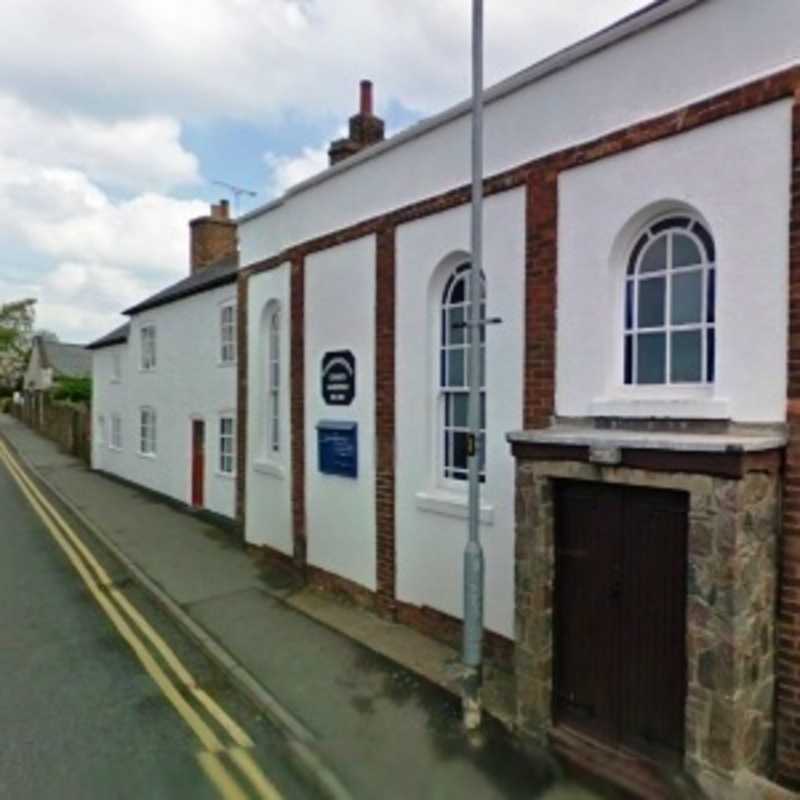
x=226 y=444
x=690 y=226
x=227 y=333
x=452 y=340
x=115 y=438
x=273 y=367
x=101 y=429
x=148 y=343
x=148 y=432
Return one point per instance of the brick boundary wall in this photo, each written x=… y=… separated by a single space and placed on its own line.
x=298 y=305
x=788 y=666
x=385 y=419
x=242 y=353
x=540 y=177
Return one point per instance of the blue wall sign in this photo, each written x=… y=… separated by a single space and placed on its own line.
x=338 y=448
x=339 y=378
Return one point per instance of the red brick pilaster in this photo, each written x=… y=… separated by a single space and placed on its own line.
x=298 y=410
x=788 y=703
x=385 y=418
x=541 y=222
x=241 y=398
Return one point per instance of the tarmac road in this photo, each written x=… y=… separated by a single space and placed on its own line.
x=80 y=717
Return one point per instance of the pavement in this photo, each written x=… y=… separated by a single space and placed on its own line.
x=368 y=708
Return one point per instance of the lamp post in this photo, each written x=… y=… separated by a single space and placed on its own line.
x=472 y=649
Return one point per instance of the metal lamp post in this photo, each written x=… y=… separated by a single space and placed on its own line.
x=472 y=651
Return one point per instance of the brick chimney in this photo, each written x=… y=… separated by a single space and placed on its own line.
x=212 y=238
x=365 y=129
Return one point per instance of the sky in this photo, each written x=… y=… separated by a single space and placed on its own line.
x=117 y=116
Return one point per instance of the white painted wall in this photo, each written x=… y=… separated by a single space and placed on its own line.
x=37 y=377
x=430 y=518
x=736 y=174
x=109 y=397
x=340 y=315
x=715 y=45
x=188 y=383
x=269 y=474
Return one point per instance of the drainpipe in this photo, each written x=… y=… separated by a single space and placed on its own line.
x=472 y=655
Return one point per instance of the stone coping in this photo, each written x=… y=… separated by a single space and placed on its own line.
x=580 y=436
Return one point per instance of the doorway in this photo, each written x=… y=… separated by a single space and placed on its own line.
x=198 y=462
x=620 y=615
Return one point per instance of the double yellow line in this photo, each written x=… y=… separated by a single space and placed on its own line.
x=136 y=631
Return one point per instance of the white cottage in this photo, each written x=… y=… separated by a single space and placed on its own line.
x=164 y=384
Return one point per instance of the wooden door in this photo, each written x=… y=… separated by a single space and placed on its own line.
x=198 y=463
x=620 y=615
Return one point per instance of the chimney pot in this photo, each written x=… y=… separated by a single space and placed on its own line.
x=366 y=97
x=221 y=210
x=365 y=129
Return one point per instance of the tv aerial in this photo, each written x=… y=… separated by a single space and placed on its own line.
x=237 y=192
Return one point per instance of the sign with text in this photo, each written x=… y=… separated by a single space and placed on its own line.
x=337 y=443
x=339 y=378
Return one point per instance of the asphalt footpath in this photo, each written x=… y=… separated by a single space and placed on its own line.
x=358 y=723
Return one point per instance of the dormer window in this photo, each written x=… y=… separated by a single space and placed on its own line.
x=670 y=296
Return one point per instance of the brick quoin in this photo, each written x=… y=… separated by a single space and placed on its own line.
x=385 y=419
x=298 y=304
x=788 y=651
x=242 y=288
x=541 y=263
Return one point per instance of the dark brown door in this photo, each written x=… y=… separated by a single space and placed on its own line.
x=620 y=605
x=198 y=462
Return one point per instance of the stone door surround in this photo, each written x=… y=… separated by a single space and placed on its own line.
x=731 y=594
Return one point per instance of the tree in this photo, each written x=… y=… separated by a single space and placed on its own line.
x=16 y=331
x=46 y=335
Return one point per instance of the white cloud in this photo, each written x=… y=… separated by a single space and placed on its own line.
x=286 y=171
x=256 y=59
x=106 y=254
x=131 y=154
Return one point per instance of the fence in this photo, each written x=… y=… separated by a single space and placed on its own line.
x=67 y=424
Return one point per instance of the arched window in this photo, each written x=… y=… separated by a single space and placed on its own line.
x=454 y=374
x=274 y=382
x=670 y=294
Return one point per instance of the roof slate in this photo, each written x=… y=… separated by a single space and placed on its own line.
x=67 y=360
x=117 y=336
x=218 y=274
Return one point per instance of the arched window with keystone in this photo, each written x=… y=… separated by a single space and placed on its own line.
x=670 y=298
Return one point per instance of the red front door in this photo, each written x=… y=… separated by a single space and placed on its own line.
x=198 y=462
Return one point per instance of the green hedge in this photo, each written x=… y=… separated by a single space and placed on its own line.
x=76 y=390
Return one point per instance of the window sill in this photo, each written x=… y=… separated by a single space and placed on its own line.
x=148 y=456
x=451 y=504
x=115 y=449
x=690 y=406
x=146 y=370
x=270 y=468
x=230 y=476
x=226 y=363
